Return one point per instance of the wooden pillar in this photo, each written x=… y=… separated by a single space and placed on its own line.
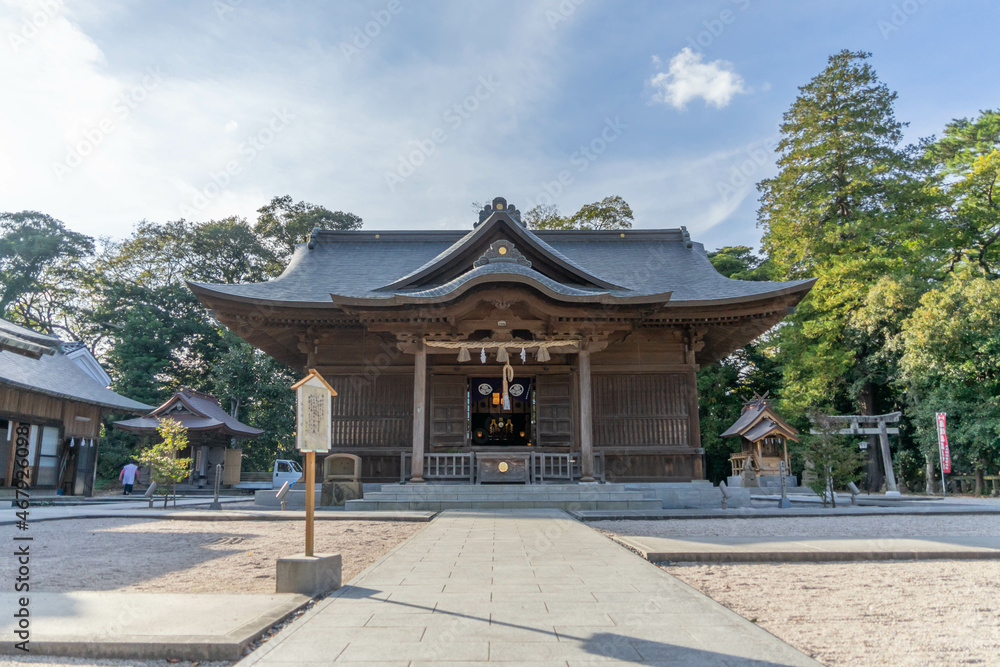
x=586 y=419
x=694 y=426
x=310 y=471
x=419 y=413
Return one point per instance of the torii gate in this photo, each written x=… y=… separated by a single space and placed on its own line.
x=873 y=425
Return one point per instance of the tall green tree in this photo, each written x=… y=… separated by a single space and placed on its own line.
x=848 y=207
x=951 y=364
x=965 y=165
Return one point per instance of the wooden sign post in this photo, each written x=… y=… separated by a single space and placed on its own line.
x=313 y=433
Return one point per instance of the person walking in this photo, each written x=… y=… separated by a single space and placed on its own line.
x=127 y=477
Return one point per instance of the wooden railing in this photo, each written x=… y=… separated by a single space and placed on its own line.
x=738 y=461
x=551 y=466
x=441 y=467
x=544 y=466
x=562 y=466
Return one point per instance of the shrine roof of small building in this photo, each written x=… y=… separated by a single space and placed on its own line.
x=197 y=411
x=387 y=268
x=759 y=420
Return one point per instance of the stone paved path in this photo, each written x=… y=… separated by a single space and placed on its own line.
x=526 y=587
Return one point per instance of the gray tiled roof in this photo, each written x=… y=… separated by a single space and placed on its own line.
x=761 y=410
x=207 y=415
x=746 y=419
x=57 y=375
x=17 y=339
x=498 y=272
x=358 y=264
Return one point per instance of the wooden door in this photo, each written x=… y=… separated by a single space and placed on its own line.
x=449 y=420
x=554 y=410
x=231 y=466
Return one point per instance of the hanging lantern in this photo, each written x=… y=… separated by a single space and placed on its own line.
x=463 y=354
x=524 y=356
x=482 y=355
x=542 y=354
x=502 y=355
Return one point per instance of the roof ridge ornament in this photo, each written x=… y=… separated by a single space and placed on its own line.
x=499 y=204
x=501 y=252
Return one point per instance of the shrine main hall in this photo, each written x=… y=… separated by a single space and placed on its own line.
x=502 y=342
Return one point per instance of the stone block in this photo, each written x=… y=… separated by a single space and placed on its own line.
x=335 y=493
x=308 y=575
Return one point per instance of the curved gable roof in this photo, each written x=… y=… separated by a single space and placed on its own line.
x=461 y=254
x=200 y=412
x=387 y=268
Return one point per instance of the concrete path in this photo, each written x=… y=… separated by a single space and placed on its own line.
x=144 y=625
x=526 y=587
x=809 y=549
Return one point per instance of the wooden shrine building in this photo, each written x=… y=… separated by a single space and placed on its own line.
x=53 y=398
x=211 y=431
x=603 y=332
x=763 y=438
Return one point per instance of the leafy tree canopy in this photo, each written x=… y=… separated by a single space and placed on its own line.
x=849 y=208
x=951 y=364
x=36 y=253
x=966 y=169
x=609 y=213
x=255 y=388
x=844 y=186
x=285 y=224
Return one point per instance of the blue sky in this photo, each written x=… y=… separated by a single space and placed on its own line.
x=406 y=112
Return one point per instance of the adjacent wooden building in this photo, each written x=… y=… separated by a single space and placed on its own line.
x=211 y=432
x=53 y=397
x=603 y=332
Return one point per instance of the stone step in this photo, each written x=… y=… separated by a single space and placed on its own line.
x=571 y=505
x=478 y=488
x=503 y=496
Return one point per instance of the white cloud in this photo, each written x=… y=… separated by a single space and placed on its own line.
x=689 y=78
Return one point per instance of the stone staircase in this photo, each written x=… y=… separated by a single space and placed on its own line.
x=434 y=497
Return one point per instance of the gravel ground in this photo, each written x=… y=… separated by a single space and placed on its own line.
x=160 y=556
x=887 y=613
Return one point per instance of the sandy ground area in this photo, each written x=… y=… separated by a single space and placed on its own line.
x=158 y=556
x=886 y=613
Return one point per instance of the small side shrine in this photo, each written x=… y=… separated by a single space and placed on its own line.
x=764 y=440
x=210 y=432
